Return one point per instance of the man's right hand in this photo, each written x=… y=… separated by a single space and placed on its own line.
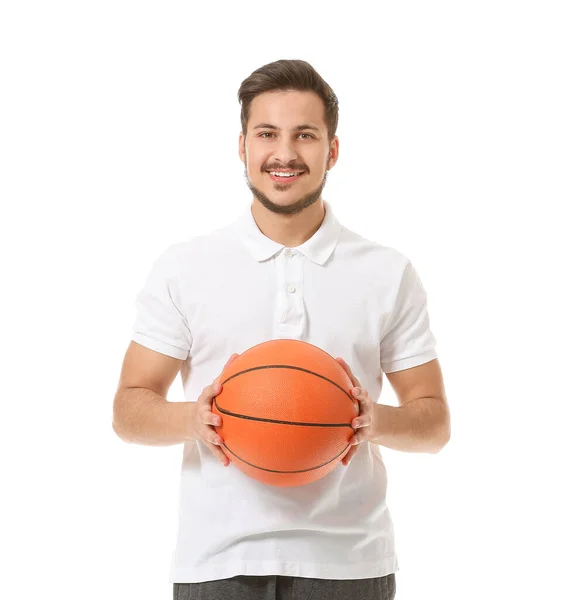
x=205 y=420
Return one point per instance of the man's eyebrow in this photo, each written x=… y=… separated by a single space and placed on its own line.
x=298 y=128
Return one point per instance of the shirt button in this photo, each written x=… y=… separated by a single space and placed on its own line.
x=291 y=289
x=288 y=254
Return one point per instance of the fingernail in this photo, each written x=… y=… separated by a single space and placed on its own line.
x=356 y=391
x=217 y=421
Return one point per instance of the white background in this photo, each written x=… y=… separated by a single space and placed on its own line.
x=119 y=128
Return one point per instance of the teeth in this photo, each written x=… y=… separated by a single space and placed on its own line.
x=284 y=174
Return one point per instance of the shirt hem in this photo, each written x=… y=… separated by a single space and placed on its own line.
x=407 y=363
x=214 y=571
x=158 y=346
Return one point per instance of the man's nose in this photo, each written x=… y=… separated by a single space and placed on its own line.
x=285 y=152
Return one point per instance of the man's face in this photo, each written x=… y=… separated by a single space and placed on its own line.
x=274 y=142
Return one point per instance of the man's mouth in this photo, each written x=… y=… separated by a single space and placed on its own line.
x=288 y=176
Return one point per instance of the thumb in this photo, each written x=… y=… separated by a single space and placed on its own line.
x=228 y=362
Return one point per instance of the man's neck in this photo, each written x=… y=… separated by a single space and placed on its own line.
x=289 y=230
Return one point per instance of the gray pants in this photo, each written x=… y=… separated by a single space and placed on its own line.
x=281 y=587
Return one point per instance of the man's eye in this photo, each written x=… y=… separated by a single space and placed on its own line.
x=269 y=133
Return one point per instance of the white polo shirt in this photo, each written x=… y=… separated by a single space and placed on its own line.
x=224 y=292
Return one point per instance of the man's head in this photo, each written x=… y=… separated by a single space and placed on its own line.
x=289 y=119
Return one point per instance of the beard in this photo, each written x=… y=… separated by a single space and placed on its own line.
x=289 y=209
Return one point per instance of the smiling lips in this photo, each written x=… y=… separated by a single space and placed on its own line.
x=285 y=178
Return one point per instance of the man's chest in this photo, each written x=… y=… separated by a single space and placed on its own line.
x=234 y=311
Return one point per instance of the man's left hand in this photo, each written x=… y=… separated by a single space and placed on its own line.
x=365 y=420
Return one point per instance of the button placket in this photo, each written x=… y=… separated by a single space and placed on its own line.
x=292 y=274
x=291 y=311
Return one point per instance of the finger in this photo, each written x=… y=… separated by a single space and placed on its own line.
x=208 y=418
x=228 y=362
x=208 y=394
x=365 y=401
x=356 y=439
x=210 y=436
x=347 y=458
x=218 y=453
x=364 y=420
x=358 y=436
x=212 y=419
x=347 y=368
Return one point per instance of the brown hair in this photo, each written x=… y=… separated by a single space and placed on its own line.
x=288 y=75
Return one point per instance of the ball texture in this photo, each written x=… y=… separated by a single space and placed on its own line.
x=286 y=408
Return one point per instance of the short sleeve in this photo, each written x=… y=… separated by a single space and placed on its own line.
x=160 y=323
x=408 y=341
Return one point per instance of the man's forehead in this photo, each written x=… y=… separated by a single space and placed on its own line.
x=283 y=110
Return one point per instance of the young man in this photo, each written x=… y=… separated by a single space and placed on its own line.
x=285 y=269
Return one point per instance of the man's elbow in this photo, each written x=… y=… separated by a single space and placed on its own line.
x=117 y=429
x=443 y=438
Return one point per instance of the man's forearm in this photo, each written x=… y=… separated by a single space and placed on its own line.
x=141 y=416
x=421 y=425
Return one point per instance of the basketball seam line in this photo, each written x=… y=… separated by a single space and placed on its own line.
x=227 y=412
x=295 y=368
x=277 y=471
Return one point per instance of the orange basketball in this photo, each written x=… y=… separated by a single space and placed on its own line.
x=286 y=409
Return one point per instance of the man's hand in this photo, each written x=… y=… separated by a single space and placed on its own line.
x=365 y=421
x=205 y=420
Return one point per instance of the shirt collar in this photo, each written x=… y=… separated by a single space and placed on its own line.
x=317 y=248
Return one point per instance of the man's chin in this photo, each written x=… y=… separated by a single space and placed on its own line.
x=285 y=207
x=288 y=204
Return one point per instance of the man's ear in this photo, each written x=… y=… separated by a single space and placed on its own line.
x=241 y=146
x=333 y=150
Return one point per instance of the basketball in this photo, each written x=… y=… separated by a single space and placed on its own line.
x=286 y=408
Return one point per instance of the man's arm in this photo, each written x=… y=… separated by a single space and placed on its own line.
x=421 y=422
x=141 y=412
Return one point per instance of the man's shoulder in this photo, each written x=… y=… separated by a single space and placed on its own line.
x=198 y=244
x=358 y=247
